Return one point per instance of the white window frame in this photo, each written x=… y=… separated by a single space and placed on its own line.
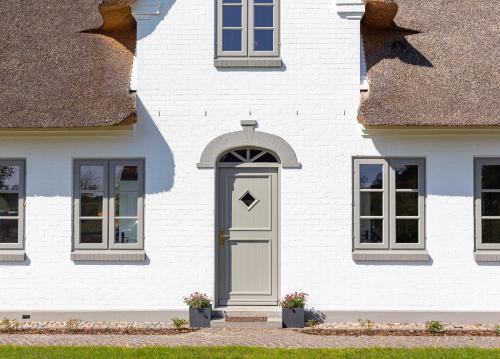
x=21 y=204
x=248 y=28
x=108 y=216
x=389 y=203
x=478 y=165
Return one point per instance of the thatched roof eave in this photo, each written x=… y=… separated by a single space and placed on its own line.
x=66 y=64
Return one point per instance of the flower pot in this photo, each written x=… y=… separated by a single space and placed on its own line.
x=293 y=318
x=200 y=317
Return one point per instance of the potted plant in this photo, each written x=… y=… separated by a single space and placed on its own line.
x=293 y=310
x=200 y=310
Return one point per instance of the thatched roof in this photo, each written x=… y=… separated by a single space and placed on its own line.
x=62 y=66
x=437 y=64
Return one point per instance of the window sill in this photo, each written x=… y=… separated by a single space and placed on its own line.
x=394 y=255
x=229 y=62
x=12 y=256
x=487 y=256
x=105 y=256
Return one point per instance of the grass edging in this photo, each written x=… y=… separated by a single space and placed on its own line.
x=59 y=352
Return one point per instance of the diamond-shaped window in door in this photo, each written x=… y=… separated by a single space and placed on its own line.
x=248 y=200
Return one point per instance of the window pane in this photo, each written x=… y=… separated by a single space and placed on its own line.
x=491 y=231
x=231 y=16
x=9 y=204
x=126 y=178
x=91 y=205
x=406 y=230
x=254 y=153
x=231 y=40
x=267 y=158
x=371 y=204
x=263 y=40
x=263 y=1
x=491 y=177
x=229 y=157
x=242 y=153
x=371 y=230
x=491 y=204
x=92 y=178
x=8 y=231
x=126 y=230
x=371 y=176
x=9 y=178
x=406 y=204
x=231 y=1
x=126 y=204
x=90 y=231
x=263 y=16
x=407 y=177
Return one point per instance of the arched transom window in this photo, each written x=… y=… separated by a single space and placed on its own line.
x=248 y=155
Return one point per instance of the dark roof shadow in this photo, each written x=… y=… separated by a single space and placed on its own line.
x=405 y=51
x=391 y=43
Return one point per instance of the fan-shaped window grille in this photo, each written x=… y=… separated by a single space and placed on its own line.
x=248 y=155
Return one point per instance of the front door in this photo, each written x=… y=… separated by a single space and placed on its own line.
x=247 y=236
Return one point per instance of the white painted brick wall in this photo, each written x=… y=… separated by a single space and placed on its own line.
x=312 y=103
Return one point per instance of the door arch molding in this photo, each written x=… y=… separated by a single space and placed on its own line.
x=248 y=137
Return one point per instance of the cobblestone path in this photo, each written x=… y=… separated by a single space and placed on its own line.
x=280 y=338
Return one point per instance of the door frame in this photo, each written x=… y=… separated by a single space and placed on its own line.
x=216 y=225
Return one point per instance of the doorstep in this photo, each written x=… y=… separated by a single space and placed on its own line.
x=247 y=311
x=270 y=323
x=247 y=317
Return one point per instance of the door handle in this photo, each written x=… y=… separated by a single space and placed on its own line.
x=222 y=238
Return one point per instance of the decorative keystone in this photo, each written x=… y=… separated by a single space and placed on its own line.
x=351 y=9
x=146 y=9
x=248 y=125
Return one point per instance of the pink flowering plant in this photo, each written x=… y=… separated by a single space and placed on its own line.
x=198 y=301
x=294 y=300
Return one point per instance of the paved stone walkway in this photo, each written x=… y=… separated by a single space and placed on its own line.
x=280 y=338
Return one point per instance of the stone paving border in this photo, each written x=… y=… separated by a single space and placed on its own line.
x=271 y=338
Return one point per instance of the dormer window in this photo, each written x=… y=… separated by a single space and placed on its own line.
x=248 y=30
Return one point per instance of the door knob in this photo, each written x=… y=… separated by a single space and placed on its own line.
x=222 y=238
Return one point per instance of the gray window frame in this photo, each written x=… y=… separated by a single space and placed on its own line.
x=140 y=206
x=389 y=203
x=357 y=207
x=21 y=203
x=248 y=28
x=275 y=28
x=108 y=205
x=244 y=29
x=421 y=203
x=478 y=165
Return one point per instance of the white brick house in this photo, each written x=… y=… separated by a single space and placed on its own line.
x=312 y=230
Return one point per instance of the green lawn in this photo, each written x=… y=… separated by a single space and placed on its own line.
x=26 y=352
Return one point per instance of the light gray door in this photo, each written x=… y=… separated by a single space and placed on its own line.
x=247 y=236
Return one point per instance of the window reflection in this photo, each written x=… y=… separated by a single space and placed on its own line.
x=126 y=178
x=126 y=230
x=407 y=177
x=92 y=178
x=371 y=176
x=9 y=178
